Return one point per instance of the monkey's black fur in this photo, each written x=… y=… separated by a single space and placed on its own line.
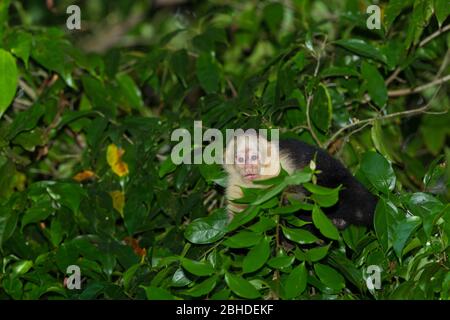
x=356 y=204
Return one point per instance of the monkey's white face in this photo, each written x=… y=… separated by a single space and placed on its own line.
x=248 y=164
x=252 y=158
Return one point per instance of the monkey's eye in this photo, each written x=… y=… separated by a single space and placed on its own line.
x=240 y=160
x=254 y=157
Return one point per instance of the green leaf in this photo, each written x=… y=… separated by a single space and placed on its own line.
x=382 y=142
x=394 y=8
x=273 y=16
x=20 y=44
x=272 y=181
x=296 y=222
x=241 y=287
x=30 y=139
x=434 y=137
x=386 y=217
x=338 y=71
x=295 y=283
x=155 y=293
x=197 y=268
x=166 y=167
x=209 y=229
x=26 y=120
x=4 y=9
x=422 y=12
x=243 y=217
x=427 y=207
x=179 y=62
x=362 y=48
x=298 y=177
x=13 y=286
x=54 y=54
x=403 y=232
x=129 y=274
x=264 y=224
x=322 y=108
x=208 y=72
x=41 y=211
x=22 y=267
x=352 y=235
x=98 y=94
x=442 y=10
x=257 y=256
x=56 y=231
x=212 y=173
x=130 y=93
x=203 y=288
x=272 y=192
x=325 y=197
x=375 y=84
x=9 y=78
x=299 y=235
x=179 y=279
x=329 y=277
x=293 y=207
x=281 y=262
x=324 y=224
x=8 y=223
x=378 y=171
x=243 y=239
x=316 y=254
x=67 y=194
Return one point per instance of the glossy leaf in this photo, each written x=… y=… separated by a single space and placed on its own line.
x=257 y=256
x=197 y=268
x=295 y=283
x=241 y=287
x=8 y=80
x=324 y=224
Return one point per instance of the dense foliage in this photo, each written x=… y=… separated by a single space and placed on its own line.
x=86 y=118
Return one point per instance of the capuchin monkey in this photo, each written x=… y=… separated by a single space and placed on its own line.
x=250 y=157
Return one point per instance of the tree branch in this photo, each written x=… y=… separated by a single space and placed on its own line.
x=408 y=91
x=388 y=116
x=308 y=120
x=434 y=35
x=421 y=44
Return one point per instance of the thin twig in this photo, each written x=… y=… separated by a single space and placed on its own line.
x=421 y=44
x=434 y=35
x=232 y=88
x=310 y=97
x=308 y=120
x=407 y=91
x=388 y=116
x=347 y=138
x=28 y=90
x=393 y=76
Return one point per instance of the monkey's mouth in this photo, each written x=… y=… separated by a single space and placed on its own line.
x=251 y=176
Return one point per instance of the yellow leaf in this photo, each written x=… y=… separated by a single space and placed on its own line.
x=84 y=175
x=120 y=168
x=114 y=158
x=19 y=181
x=118 y=198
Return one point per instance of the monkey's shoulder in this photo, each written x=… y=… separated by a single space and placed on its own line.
x=302 y=153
